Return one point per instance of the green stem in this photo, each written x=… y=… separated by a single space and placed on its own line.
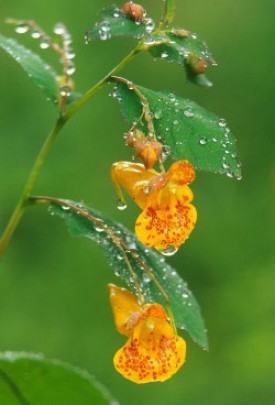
x=169 y=14
x=23 y=200
x=20 y=207
x=82 y=100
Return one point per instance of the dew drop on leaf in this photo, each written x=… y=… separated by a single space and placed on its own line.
x=44 y=45
x=203 y=141
x=222 y=123
x=36 y=35
x=188 y=112
x=21 y=29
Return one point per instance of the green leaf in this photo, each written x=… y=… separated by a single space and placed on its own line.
x=190 y=131
x=30 y=379
x=43 y=75
x=116 y=24
x=80 y=221
x=181 y=51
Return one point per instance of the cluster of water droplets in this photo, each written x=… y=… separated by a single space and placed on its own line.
x=45 y=42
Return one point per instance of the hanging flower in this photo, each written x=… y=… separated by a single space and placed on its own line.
x=153 y=351
x=168 y=217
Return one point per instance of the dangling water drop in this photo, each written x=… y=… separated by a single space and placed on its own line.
x=170 y=251
x=121 y=205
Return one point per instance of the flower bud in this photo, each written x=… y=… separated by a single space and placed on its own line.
x=149 y=150
x=134 y=11
x=181 y=33
x=197 y=65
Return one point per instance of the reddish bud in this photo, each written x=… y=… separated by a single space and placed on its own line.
x=134 y=11
x=149 y=150
x=197 y=65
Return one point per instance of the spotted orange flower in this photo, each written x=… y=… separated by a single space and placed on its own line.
x=153 y=351
x=168 y=217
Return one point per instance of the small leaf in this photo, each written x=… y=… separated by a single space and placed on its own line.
x=27 y=378
x=190 y=131
x=115 y=24
x=119 y=243
x=42 y=74
x=180 y=49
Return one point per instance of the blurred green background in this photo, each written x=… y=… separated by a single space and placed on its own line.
x=53 y=296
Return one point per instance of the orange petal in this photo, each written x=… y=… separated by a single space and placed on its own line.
x=181 y=172
x=166 y=226
x=125 y=308
x=152 y=353
x=132 y=177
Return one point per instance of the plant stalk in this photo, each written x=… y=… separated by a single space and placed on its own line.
x=33 y=176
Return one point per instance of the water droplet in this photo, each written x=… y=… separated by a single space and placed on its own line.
x=158 y=114
x=99 y=228
x=149 y=25
x=36 y=34
x=164 y=55
x=225 y=165
x=176 y=122
x=194 y=35
x=147 y=189
x=70 y=55
x=215 y=139
x=119 y=257
x=105 y=26
x=65 y=207
x=86 y=38
x=44 y=45
x=22 y=28
x=121 y=205
x=166 y=151
x=222 y=123
x=116 y=13
x=188 y=112
x=59 y=29
x=70 y=70
x=172 y=97
x=146 y=278
x=239 y=177
x=185 y=295
x=203 y=141
x=65 y=91
x=170 y=251
x=229 y=174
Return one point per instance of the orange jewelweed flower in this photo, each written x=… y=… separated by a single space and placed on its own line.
x=153 y=351
x=168 y=217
